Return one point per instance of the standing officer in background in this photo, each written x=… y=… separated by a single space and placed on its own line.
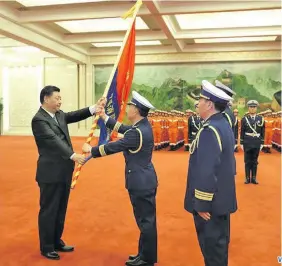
x=236 y=129
x=211 y=194
x=157 y=122
x=269 y=126
x=188 y=113
x=173 y=130
x=140 y=176
x=54 y=167
x=194 y=123
x=227 y=112
x=251 y=140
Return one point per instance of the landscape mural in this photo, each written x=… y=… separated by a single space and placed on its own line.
x=169 y=86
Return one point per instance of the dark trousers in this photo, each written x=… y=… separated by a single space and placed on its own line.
x=144 y=208
x=53 y=207
x=251 y=161
x=213 y=239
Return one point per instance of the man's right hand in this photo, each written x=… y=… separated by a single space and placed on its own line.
x=79 y=158
x=205 y=215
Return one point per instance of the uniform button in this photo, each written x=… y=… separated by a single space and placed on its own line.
x=129 y=171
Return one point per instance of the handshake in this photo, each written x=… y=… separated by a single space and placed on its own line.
x=86 y=148
x=80 y=158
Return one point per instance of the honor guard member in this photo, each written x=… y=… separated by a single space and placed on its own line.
x=275 y=131
x=252 y=140
x=269 y=125
x=150 y=117
x=157 y=130
x=180 y=130
x=140 y=176
x=278 y=130
x=194 y=123
x=210 y=194
x=173 y=130
x=236 y=128
x=227 y=112
x=185 y=131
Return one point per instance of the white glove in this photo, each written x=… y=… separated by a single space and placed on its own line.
x=261 y=146
x=242 y=147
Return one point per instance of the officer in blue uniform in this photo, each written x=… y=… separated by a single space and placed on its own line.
x=227 y=112
x=194 y=124
x=236 y=129
x=252 y=140
x=140 y=176
x=211 y=194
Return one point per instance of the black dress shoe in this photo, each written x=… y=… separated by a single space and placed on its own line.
x=138 y=262
x=133 y=257
x=247 y=180
x=53 y=255
x=64 y=248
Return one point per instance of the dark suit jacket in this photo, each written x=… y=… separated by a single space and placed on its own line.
x=54 y=144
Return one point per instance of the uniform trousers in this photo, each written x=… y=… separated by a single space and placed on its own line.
x=251 y=160
x=144 y=208
x=213 y=237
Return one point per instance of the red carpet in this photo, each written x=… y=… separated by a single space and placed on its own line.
x=100 y=221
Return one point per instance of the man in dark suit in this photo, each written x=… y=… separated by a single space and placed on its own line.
x=54 y=167
x=140 y=176
x=211 y=194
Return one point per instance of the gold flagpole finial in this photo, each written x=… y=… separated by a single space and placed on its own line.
x=131 y=11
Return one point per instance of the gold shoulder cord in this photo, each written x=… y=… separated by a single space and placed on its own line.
x=195 y=142
x=228 y=118
x=262 y=122
x=141 y=142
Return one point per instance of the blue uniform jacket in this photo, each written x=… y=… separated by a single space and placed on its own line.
x=228 y=114
x=252 y=131
x=137 y=146
x=211 y=173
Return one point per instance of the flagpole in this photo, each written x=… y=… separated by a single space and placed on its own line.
x=138 y=5
x=136 y=8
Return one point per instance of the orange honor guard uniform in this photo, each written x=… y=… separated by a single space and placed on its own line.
x=173 y=130
x=166 y=141
x=275 y=131
x=279 y=129
x=269 y=126
x=157 y=131
x=185 y=131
